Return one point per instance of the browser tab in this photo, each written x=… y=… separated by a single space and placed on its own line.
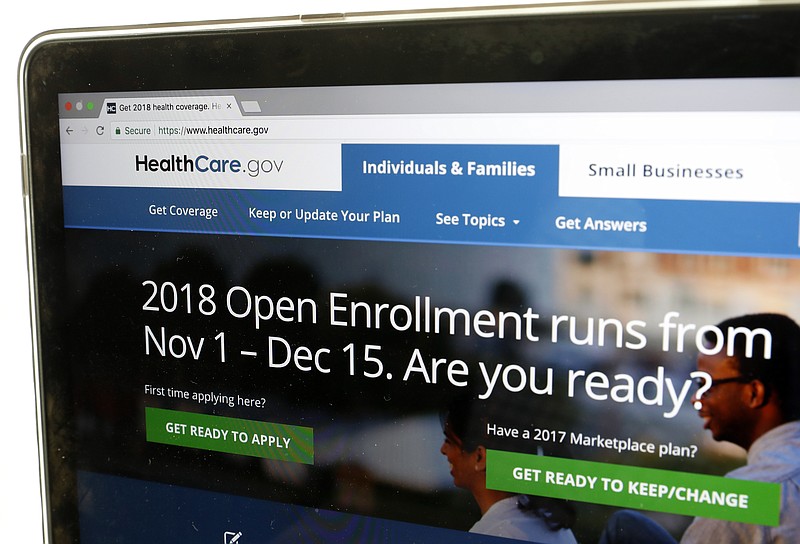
x=172 y=107
x=251 y=106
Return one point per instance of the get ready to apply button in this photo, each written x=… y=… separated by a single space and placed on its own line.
x=230 y=435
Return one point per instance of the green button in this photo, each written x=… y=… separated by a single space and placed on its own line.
x=635 y=487
x=231 y=435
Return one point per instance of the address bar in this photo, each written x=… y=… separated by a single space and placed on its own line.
x=184 y=130
x=655 y=128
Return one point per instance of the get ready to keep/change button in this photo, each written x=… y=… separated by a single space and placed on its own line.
x=642 y=488
x=230 y=435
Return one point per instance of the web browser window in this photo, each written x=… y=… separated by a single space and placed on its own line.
x=363 y=310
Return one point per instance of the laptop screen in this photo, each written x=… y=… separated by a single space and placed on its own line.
x=418 y=311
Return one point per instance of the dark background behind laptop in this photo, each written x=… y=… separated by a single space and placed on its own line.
x=20 y=511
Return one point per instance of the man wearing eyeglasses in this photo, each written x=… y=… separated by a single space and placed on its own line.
x=754 y=402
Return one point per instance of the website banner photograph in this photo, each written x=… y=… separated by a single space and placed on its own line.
x=393 y=387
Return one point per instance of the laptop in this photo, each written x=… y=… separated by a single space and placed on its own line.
x=476 y=275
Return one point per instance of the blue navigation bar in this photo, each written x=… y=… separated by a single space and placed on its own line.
x=475 y=194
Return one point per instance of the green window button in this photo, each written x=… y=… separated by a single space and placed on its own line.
x=230 y=435
x=635 y=487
